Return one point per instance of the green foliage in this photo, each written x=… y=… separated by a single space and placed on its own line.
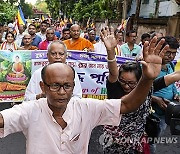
x=3 y=76
x=12 y=1
x=5 y=66
x=28 y=66
x=53 y=6
x=42 y=5
x=27 y=9
x=82 y=10
x=5 y=63
x=8 y=12
x=98 y=9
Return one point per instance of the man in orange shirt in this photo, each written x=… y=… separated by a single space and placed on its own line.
x=76 y=42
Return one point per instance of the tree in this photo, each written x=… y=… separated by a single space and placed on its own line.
x=26 y=8
x=82 y=10
x=12 y=1
x=53 y=6
x=42 y=6
x=8 y=12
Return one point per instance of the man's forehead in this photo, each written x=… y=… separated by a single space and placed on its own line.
x=32 y=27
x=57 y=46
x=27 y=37
x=43 y=24
x=52 y=69
x=50 y=31
x=92 y=32
x=132 y=34
x=75 y=27
x=67 y=32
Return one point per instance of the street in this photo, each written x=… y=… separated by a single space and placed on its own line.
x=15 y=143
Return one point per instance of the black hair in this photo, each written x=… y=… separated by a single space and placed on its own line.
x=117 y=31
x=131 y=67
x=9 y=33
x=130 y=32
x=32 y=25
x=44 y=22
x=171 y=41
x=69 y=25
x=89 y=29
x=65 y=29
x=43 y=72
x=145 y=35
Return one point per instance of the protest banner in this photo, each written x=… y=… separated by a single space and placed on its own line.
x=15 y=73
x=16 y=69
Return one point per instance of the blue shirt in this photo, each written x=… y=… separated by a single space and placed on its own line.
x=36 y=40
x=57 y=33
x=134 y=53
x=167 y=93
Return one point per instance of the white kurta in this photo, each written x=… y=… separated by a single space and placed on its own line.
x=45 y=136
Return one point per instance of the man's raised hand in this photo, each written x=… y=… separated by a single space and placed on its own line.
x=152 y=55
x=107 y=36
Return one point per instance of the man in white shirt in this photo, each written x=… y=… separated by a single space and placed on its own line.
x=57 y=52
x=100 y=48
x=62 y=124
x=20 y=35
x=42 y=32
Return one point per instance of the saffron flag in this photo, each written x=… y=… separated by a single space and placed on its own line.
x=20 y=16
x=70 y=20
x=123 y=25
x=42 y=18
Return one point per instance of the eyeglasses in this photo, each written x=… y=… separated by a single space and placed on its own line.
x=55 y=54
x=56 y=86
x=168 y=53
x=131 y=84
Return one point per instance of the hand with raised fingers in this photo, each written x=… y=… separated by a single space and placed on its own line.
x=153 y=54
x=107 y=36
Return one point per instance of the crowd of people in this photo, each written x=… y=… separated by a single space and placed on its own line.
x=58 y=120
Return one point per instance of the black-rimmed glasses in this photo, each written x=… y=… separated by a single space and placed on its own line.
x=56 y=86
x=168 y=53
x=131 y=84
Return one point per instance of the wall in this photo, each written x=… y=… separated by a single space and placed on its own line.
x=145 y=28
x=166 y=8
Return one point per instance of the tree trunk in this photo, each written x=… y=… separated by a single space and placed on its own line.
x=124 y=13
x=156 y=13
x=138 y=6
